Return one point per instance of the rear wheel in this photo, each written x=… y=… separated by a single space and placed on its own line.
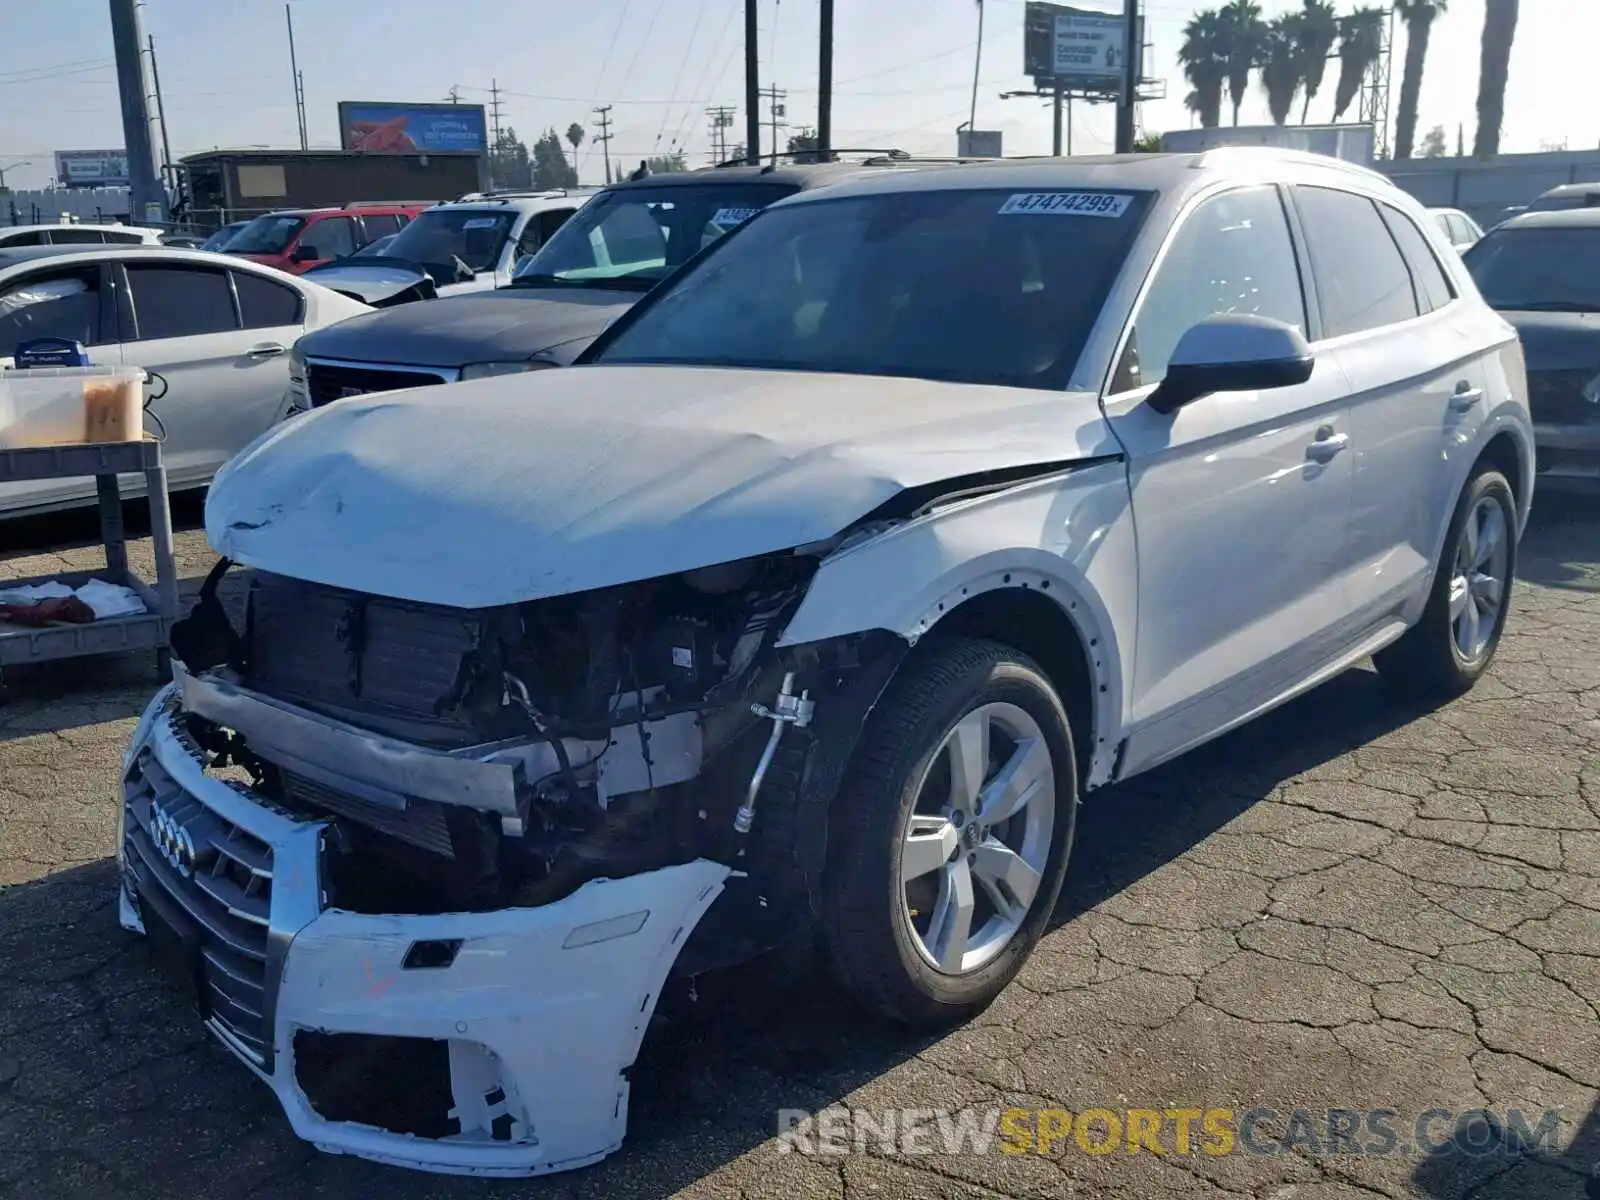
x=1452 y=645
x=951 y=837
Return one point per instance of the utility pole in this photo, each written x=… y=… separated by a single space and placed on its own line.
x=455 y=94
x=721 y=121
x=494 y=109
x=299 y=80
x=775 y=110
x=825 y=80
x=1055 y=114
x=752 y=86
x=146 y=198
x=1130 y=77
x=168 y=170
x=604 y=136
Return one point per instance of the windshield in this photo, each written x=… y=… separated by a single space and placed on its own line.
x=986 y=286
x=440 y=236
x=266 y=235
x=636 y=236
x=221 y=237
x=1556 y=270
x=378 y=248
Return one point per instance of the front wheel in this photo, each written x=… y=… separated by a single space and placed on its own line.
x=951 y=837
x=1452 y=645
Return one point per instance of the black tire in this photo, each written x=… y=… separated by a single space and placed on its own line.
x=866 y=928
x=1425 y=663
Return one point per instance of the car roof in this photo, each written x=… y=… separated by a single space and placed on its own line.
x=13 y=256
x=801 y=175
x=1178 y=173
x=1569 y=189
x=1555 y=218
x=95 y=225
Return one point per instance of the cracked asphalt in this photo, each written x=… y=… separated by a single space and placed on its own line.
x=1348 y=904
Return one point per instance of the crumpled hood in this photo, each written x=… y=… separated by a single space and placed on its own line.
x=490 y=326
x=518 y=487
x=372 y=282
x=1558 y=341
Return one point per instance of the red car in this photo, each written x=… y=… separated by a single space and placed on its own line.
x=295 y=240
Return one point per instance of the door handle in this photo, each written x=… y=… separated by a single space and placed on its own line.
x=1327 y=445
x=266 y=350
x=1464 y=397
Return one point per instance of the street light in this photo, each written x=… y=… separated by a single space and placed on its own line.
x=21 y=162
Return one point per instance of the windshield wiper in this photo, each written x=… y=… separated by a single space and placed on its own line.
x=618 y=283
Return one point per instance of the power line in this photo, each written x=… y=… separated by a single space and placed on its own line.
x=680 y=137
x=666 y=113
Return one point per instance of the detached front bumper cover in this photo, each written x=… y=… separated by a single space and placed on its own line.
x=542 y=1009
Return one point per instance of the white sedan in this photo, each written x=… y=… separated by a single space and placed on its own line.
x=214 y=331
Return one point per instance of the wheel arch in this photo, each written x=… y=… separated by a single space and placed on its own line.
x=1507 y=452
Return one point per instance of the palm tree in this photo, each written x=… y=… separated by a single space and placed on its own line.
x=1319 y=29
x=1360 y=48
x=575 y=134
x=1243 y=30
x=1418 y=16
x=1282 y=65
x=1494 y=67
x=1203 y=55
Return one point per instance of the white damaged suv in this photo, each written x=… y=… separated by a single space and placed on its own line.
x=811 y=601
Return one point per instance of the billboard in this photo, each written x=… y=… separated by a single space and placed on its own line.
x=92 y=168
x=376 y=128
x=1080 y=49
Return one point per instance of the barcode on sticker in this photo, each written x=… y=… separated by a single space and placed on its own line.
x=1076 y=204
x=733 y=216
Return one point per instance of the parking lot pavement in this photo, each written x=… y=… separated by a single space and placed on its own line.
x=1347 y=905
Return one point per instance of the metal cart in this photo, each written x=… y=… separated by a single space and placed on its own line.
x=142 y=631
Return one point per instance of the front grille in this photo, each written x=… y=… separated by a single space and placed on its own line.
x=1556 y=397
x=346 y=653
x=421 y=822
x=226 y=895
x=326 y=382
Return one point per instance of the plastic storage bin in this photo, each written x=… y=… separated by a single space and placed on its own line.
x=60 y=406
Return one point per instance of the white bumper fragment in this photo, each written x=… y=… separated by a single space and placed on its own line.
x=542 y=1009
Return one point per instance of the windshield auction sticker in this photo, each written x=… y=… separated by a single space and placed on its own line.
x=733 y=216
x=1074 y=204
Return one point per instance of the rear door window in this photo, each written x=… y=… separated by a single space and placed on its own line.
x=60 y=303
x=1433 y=285
x=380 y=225
x=1362 y=282
x=172 y=301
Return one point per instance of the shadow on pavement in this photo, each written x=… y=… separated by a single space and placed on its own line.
x=1562 y=542
x=1494 y=1170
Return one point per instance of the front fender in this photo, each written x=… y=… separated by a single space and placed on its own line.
x=1069 y=536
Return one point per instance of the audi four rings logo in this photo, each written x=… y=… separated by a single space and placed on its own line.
x=172 y=840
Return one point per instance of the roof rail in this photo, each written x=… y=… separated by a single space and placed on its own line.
x=805 y=157
x=513 y=194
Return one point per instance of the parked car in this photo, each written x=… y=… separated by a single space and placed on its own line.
x=296 y=240
x=219 y=240
x=468 y=245
x=1460 y=230
x=215 y=330
x=1541 y=270
x=621 y=244
x=810 y=600
x=17 y=236
x=1567 y=196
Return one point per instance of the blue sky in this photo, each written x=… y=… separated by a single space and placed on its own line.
x=902 y=70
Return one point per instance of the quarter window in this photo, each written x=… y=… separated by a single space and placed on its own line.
x=264 y=304
x=175 y=302
x=1232 y=254
x=380 y=225
x=1433 y=285
x=1362 y=282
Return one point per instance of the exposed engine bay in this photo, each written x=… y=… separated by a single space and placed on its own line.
x=472 y=760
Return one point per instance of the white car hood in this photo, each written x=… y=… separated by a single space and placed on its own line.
x=519 y=487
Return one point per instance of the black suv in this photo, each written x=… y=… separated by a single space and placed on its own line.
x=612 y=251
